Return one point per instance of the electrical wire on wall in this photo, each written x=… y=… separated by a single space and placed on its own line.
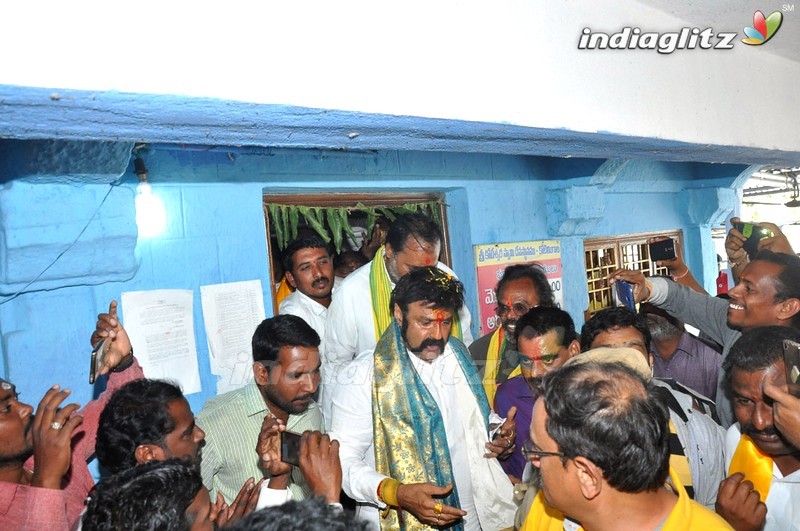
x=111 y=186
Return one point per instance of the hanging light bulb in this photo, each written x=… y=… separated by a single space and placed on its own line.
x=151 y=217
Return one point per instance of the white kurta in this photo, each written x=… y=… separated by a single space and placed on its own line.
x=312 y=312
x=350 y=329
x=783 y=501
x=351 y=326
x=485 y=492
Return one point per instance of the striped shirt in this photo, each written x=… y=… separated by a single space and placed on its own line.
x=232 y=422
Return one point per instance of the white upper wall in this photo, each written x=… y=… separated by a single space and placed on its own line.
x=509 y=61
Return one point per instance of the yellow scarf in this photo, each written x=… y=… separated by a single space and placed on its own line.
x=380 y=288
x=494 y=355
x=284 y=290
x=756 y=466
x=542 y=517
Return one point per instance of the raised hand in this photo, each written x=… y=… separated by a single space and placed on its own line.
x=423 y=500
x=778 y=242
x=108 y=326
x=635 y=278
x=785 y=411
x=52 y=438
x=319 y=462
x=734 y=246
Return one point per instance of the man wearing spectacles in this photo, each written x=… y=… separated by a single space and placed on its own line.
x=545 y=338
x=600 y=438
x=522 y=287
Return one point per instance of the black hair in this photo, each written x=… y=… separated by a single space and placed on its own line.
x=281 y=331
x=541 y=320
x=610 y=318
x=136 y=414
x=309 y=241
x=758 y=348
x=608 y=414
x=152 y=496
x=429 y=284
x=418 y=226
x=312 y=513
x=787 y=283
x=536 y=274
x=338 y=260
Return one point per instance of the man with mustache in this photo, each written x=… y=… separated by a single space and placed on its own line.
x=309 y=269
x=763 y=487
x=768 y=293
x=418 y=440
x=43 y=474
x=360 y=313
x=286 y=369
x=522 y=287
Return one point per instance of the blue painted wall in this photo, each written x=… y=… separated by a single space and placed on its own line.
x=216 y=229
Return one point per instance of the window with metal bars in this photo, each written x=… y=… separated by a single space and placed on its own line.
x=604 y=255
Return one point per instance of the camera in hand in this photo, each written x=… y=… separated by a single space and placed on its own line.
x=754 y=234
x=662 y=250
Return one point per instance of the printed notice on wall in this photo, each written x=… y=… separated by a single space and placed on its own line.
x=491 y=262
x=231 y=313
x=161 y=327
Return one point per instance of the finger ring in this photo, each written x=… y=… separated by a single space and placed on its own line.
x=510 y=443
x=437 y=509
x=56 y=425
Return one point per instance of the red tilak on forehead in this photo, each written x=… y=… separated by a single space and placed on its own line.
x=508 y=303
x=439 y=316
x=427 y=261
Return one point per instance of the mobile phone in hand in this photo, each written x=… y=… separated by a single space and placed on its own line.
x=754 y=234
x=791 y=357
x=98 y=358
x=623 y=292
x=290 y=448
x=662 y=250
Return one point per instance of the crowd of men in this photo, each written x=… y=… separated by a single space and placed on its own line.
x=633 y=423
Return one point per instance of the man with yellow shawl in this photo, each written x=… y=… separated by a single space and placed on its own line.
x=763 y=487
x=360 y=313
x=418 y=441
x=523 y=286
x=600 y=439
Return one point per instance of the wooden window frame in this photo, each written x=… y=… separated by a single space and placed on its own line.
x=600 y=296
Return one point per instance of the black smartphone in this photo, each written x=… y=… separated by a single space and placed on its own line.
x=98 y=358
x=624 y=294
x=662 y=250
x=290 y=448
x=754 y=234
x=791 y=357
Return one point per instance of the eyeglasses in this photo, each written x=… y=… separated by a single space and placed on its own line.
x=520 y=308
x=532 y=453
x=527 y=363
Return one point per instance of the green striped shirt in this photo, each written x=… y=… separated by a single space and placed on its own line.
x=232 y=422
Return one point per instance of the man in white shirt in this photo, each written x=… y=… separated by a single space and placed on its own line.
x=431 y=451
x=309 y=269
x=360 y=312
x=763 y=487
